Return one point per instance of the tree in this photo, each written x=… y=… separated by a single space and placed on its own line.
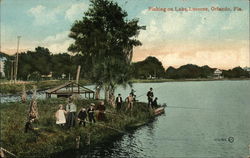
x=236 y=72
x=105 y=39
x=35 y=76
x=151 y=66
x=31 y=61
x=189 y=71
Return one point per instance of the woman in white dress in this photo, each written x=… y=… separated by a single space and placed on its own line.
x=60 y=116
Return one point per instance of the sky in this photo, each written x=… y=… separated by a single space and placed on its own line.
x=215 y=38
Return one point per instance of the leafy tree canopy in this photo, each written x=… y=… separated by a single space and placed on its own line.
x=106 y=39
x=151 y=66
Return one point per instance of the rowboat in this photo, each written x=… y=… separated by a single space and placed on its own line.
x=159 y=111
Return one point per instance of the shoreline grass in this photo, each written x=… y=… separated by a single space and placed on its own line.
x=16 y=89
x=53 y=139
x=9 y=89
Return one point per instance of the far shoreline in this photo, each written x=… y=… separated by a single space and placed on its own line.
x=185 y=80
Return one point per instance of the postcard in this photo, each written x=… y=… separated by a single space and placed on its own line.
x=124 y=78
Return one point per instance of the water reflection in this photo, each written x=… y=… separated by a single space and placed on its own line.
x=197 y=114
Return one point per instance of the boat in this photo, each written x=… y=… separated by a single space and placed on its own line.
x=159 y=111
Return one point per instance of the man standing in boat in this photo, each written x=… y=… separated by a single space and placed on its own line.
x=150 y=96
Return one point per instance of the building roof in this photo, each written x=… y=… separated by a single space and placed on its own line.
x=3 y=59
x=70 y=88
x=218 y=71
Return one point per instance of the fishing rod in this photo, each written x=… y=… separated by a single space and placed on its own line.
x=108 y=127
x=115 y=114
x=179 y=107
x=147 y=92
x=8 y=152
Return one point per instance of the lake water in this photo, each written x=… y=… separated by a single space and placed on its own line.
x=203 y=119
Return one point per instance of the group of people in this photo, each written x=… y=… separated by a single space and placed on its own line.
x=69 y=116
x=130 y=101
x=152 y=101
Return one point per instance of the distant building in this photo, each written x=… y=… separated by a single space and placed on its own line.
x=2 y=64
x=247 y=69
x=63 y=76
x=218 y=74
x=49 y=76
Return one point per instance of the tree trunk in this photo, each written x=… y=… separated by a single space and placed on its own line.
x=97 y=93
x=24 y=95
x=112 y=98
x=106 y=94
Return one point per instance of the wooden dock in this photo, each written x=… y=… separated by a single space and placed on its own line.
x=70 y=88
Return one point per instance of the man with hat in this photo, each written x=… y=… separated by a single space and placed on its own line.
x=150 y=96
x=71 y=113
x=91 y=112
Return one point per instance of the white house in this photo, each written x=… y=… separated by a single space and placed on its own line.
x=47 y=76
x=217 y=73
x=2 y=64
x=247 y=69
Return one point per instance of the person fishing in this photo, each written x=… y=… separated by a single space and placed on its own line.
x=29 y=127
x=154 y=103
x=150 y=96
x=82 y=115
x=101 y=114
x=130 y=102
x=118 y=102
x=133 y=94
x=91 y=112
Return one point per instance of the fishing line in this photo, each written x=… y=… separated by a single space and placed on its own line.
x=181 y=107
x=147 y=92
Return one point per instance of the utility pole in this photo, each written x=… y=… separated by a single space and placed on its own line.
x=78 y=74
x=12 y=71
x=18 y=40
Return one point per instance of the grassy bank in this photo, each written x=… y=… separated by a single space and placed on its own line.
x=50 y=138
x=8 y=88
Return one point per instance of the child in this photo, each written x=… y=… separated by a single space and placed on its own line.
x=28 y=126
x=101 y=113
x=91 y=112
x=60 y=116
x=82 y=117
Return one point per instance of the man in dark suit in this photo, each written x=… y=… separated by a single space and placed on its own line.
x=150 y=96
x=118 y=102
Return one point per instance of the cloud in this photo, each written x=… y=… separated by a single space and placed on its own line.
x=75 y=11
x=222 y=55
x=57 y=43
x=193 y=26
x=211 y=38
x=43 y=15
